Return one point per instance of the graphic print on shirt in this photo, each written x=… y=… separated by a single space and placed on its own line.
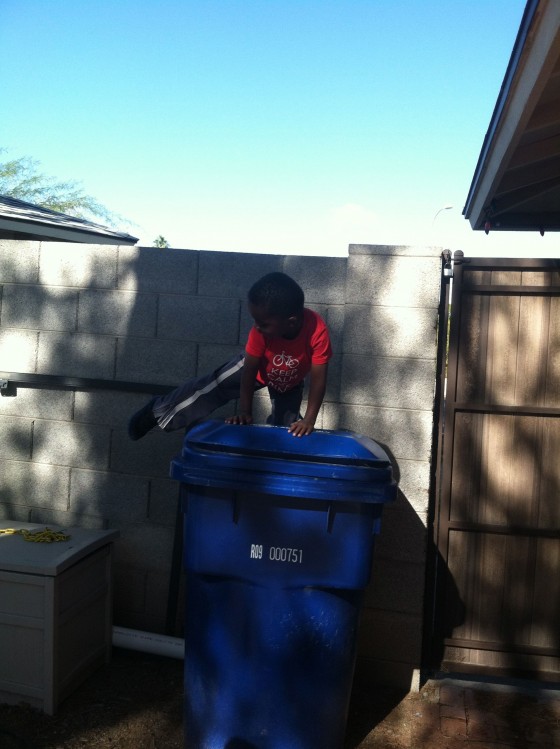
x=284 y=363
x=284 y=373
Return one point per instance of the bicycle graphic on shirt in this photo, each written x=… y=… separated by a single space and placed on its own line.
x=285 y=360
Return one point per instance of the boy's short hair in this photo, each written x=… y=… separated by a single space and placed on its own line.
x=278 y=293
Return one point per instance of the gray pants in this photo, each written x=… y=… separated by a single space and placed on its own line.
x=198 y=397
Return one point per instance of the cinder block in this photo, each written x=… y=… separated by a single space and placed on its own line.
x=201 y=319
x=129 y=592
x=67 y=519
x=39 y=307
x=19 y=261
x=334 y=379
x=133 y=620
x=323 y=279
x=390 y=636
x=151 y=456
x=15 y=438
x=76 y=355
x=394 y=281
x=34 y=485
x=407 y=433
x=71 y=264
x=110 y=407
x=155 y=361
x=18 y=351
x=117 y=313
x=388 y=382
x=164 y=498
x=39 y=404
x=396 y=586
x=332 y=418
x=143 y=606
x=211 y=356
x=390 y=331
x=246 y=322
x=76 y=445
x=152 y=544
x=14 y=512
x=261 y=406
x=157 y=591
x=372 y=672
x=231 y=274
x=162 y=271
x=399 y=250
x=403 y=536
x=334 y=317
x=119 y=498
x=414 y=482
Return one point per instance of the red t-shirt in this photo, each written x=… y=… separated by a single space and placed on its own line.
x=283 y=362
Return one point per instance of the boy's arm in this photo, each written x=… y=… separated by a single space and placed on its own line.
x=246 y=391
x=317 y=388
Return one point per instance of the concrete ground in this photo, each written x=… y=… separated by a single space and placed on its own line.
x=451 y=714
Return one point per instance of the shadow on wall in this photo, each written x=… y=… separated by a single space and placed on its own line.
x=128 y=314
x=69 y=317
x=40 y=329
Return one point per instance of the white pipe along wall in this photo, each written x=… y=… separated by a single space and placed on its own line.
x=148 y=642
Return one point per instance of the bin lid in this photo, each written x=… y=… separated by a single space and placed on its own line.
x=321 y=446
x=325 y=462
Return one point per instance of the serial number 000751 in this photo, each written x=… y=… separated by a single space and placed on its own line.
x=277 y=553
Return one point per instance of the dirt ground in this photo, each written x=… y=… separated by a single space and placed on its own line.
x=136 y=702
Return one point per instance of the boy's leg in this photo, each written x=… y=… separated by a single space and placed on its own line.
x=285 y=406
x=192 y=401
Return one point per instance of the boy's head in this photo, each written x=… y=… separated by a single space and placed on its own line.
x=276 y=304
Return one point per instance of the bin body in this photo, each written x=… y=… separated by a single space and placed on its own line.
x=278 y=543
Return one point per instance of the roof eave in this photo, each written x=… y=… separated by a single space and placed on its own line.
x=45 y=232
x=533 y=57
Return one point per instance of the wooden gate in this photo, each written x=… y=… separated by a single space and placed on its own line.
x=497 y=517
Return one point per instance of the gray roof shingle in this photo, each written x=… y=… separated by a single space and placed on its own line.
x=21 y=220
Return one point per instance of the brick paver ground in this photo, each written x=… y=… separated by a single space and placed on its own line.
x=445 y=715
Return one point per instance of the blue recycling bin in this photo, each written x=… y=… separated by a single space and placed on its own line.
x=278 y=542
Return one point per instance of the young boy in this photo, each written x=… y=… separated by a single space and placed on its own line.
x=288 y=342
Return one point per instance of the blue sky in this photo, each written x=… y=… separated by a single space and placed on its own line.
x=298 y=126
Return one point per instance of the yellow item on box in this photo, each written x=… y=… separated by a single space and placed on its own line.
x=45 y=536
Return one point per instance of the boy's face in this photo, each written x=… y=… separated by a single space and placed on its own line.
x=274 y=326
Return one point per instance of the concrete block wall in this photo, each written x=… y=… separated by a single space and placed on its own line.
x=158 y=316
x=389 y=347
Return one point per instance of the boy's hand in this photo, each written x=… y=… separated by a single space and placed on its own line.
x=240 y=419
x=317 y=387
x=301 y=428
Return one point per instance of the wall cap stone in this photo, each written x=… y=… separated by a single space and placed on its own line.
x=390 y=249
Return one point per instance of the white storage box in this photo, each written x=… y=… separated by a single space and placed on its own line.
x=55 y=613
